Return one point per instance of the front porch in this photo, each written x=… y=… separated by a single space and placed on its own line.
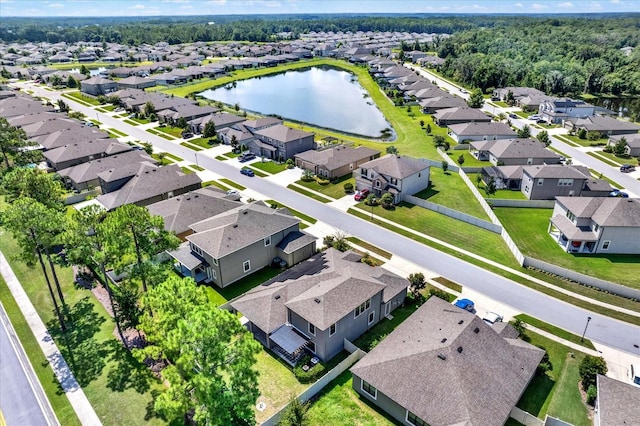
x=572 y=238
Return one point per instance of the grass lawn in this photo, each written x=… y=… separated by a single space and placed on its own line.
x=587 y=142
x=370 y=247
x=163 y=159
x=187 y=170
x=528 y=228
x=140 y=120
x=556 y=392
x=216 y=184
x=202 y=142
x=270 y=167
x=221 y=158
x=603 y=158
x=378 y=332
x=619 y=160
x=232 y=184
x=83 y=99
x=170 y=130
x=504 y=194
x=118 y=132
x=219 y=296
x=334 y=190
x=133 y=123
x=556 y=331
x=119 y=388
x=449 y=284
x=162 y=135
x=198 y=168
x=190 y=146
x=296 y=213
x=449 y=190
x=469 y=160
x=476 y=240
x=277 y=385
x=306 y=193
x=339 y=405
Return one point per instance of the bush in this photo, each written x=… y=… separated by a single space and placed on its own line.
x=593 y=135
x=582 y=134
x=592 y=393
x=310 y=375
x=307 y=176
x=441 y=294
x=589 y=368
x=322 y=181
x=348 y=188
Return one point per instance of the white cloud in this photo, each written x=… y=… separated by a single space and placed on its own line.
x=595 y=6
x=217 y=2
x=137 y=6
x=566 y=5
x=616 y=1
x=478 y=7
x=56 y=5
x=538 y=6
x=518 y=5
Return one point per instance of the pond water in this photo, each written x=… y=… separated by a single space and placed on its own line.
x=623 y=106
x=92 y=72
x=321 y=96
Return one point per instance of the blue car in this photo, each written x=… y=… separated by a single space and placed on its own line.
x=247 y=172
x=465 y=304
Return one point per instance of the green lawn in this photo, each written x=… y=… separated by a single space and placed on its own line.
x=587 y=142
x=556 y=331
x=118 y=132
x=556 y=392
x=370 y=247
x=176 y=132
x=618 y=160
x=469 y=160
x=603 y=158
x=232 y=184
x=270 y=167
x=309 y=194
x=449 y=284
x=296 y=213
x=140 y=120
x=334 y=190
x=81 y=98
x=190 y=146
x=163 y=159
x=504 y=194
x=339 y=405
x=187 y=170
x=119 y=388
x=196 y=167
x=216 y=184
x=449 y=190
x=528 y=228
x=202 y=142
x=219 y=296
x=133 y=123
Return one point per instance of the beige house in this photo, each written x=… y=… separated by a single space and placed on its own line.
x=335 y=162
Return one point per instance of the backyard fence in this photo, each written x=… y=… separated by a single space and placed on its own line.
x=525 y=418
x=82 y=196
x=532 y=204
x=315 y=388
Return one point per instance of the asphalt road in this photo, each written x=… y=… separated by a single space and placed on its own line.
x=602 y=329
x=22 y=399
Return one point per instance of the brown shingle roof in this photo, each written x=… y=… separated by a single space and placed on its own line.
x=396 y=166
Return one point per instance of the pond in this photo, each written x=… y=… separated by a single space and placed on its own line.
x=628 y=107
x=321 y=96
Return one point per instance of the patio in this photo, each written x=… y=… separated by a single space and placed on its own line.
x=572 y=238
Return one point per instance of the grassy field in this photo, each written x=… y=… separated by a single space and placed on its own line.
x=586 y=142
x=556 y=392
x=176 y=132
x=339 y=405
x=449 y=190
x=556 y=331
x=528 y=228
x=202 y=142
x=505 y=194
x=617 y=160
x=334 y=190
x=469 y=160
x=190 y=146
x=119 y=388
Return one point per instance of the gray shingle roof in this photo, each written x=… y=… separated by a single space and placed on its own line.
x=338 y=280
x=605 y=211
x=482 y=129
x=515 y=148
x=436 y=365
x=461 y=113
x=396 y=166
x=334 y=158
x=88 y=171
x=75 y=134
x=282 y=133
x=617 y=402
x=85 y=149
x=554 y=171
x=603 y=124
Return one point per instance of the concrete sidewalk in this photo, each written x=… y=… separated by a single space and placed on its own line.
x=70 y=386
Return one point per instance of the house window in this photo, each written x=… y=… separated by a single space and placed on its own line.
x=377 y=184
x=332 y=329
x=267 y=241
x=311 y=346
x=565 y=182
x=312 y=329
x=372 y=316
x=596 y=227
x=360 y=309
x=366 y=387
x=196 y=249
x=571 y=216
x=540 y=182
x=415 y=420
x=246 y=265
x=605 y=245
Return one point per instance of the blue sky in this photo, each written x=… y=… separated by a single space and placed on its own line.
x=224 y=7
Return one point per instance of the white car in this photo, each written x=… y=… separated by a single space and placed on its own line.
x=491 y=318
x=534 y=117
x=233 y=192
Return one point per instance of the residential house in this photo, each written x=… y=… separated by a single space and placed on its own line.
x=314 y=306
x=606 y=126
x=135 y=82
x=445 y=366
x=443 y=102
x=616 y=403
x=517 y=93
x=394 y=174
x=191 y=207
x=85 y=175
x=467 y=132
x=221 y=120
x=72 y=134
x=448 y=116
x=335 y=162
x=596 y=224
x=187 y=112
x=280 y=142
x=510 y=152
x=81 y=152
x=545 y=182
x=20 y=105
x=558 y=110
x=148 y=185
x=431 y=61
x=98 y=86
x=231 y=245
x=632 y=147
x=504 y=177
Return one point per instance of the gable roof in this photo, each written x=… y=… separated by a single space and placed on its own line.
x=515 y=148
x=482 y=128
x=91 y=169
x=282 y=133
x=75 y=134
x=85 y=149
x=555 y=171
x=447 y=366
x=461 y=113
x=617 y=401
x=396 y=166
x=603 y=124
x=605 y=211
x=336 y=157
x=339 y=281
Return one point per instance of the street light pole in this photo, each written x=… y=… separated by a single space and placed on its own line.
x=585 y=329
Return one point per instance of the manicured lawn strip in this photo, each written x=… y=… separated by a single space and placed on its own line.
x=449 y=284
x=108 y=107
x=556 y=331
x=232 y=184
x=618 y=161
x=313 y=195
x=176 y=132
x=202 y=143
x=576 y=288
x=196 y=167
x=296 y=213
x=140 y=120
x=556 y=392
x=566 y=140
x=108 y=375
x=603 y=159
x=469 y=160
x=219 y=296
x=186 y=170
x=339 y=405
x=231 y=155
x=586 y=142
x=334 y=190
x=221 y=158
x=599 y=175
x=528 y=228
x=277 y=384
x=173 y=157
x=257 y=172
x=83 y=99
x=76 y=99
x=449 y=190
x=160 y=134
x=190 y=146
x=370 y=247
x=133 y=123
x=270 y=167
x=476 y=240
x=59 y=401
x=216 y=184
x=118 y=132
x=163 y=159
x=504 y=194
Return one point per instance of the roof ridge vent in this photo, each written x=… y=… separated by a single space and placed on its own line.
x=444 y=339
x=476 y=330
x=460 y=322
x=316 y=300
x=459 y=349
x=442 y=357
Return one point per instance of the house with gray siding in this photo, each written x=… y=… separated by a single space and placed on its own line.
x=632 y=146
x=485 y=131
x=592 y=225
x=448 y=116
x=445 y=366
x=513 y=152
x=335 y=162
x=606 y=126
x=545 y=182
x=98 y=86
x=314 y=306
x=394 y=174
x=280 y=142
x=234 y=244
x=558 y=110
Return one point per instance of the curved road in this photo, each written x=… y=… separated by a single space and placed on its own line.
x=602 y=329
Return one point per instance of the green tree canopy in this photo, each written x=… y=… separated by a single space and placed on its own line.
x=35 y=184
x=12 y=143
x=476 y=99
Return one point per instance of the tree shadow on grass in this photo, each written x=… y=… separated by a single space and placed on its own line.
x=427 y=193
x=128 y=373
x=79 y=349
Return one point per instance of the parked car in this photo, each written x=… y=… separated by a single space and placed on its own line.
x=463 y=91
x=187 y=135
x=492 y=318
x=247 y=172
x=618 y=193
x=512 y=115
x=465 y=304
x=246 y=157
x=627 y=168
x=495 y=99
x=534 y=117
x=233 y=192
x=361 y=195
